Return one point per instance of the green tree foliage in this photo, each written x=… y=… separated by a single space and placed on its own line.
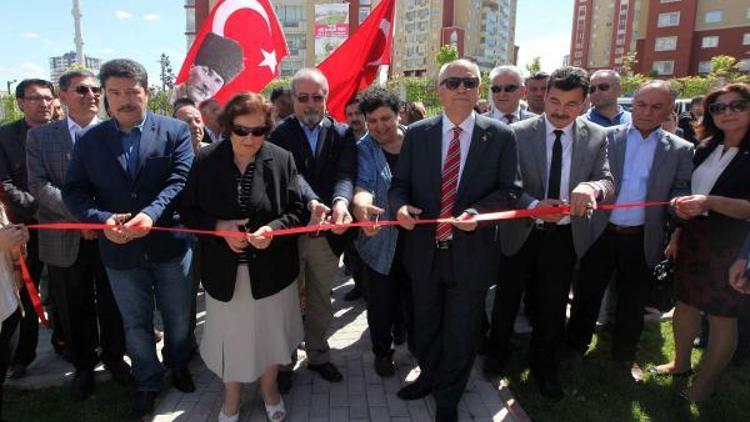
x=446 y=54
x=10 y=110
x=274 y=84
x=166 y=75
x=159 y=101
x=535 y=65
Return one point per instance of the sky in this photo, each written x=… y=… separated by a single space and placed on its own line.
x=35 y=30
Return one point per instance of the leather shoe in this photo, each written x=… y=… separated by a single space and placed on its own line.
x=446 y=414
x=16 y=371
x=83 y=384
x=414 y=391
x=492 y=367
x=182 y=380
x=144 y=404
x=384 y=365
x=120 y=372
x=327 y=371
x=284 y=381
x=551 y=388
x=633 y=369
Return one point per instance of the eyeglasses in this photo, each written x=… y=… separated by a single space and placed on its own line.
x=240 y=130
x=496 y=89
x=39 y=98
x=82 y=90
x=452 y=83
x=304 y=98
x=602 y=87
x=738 y=106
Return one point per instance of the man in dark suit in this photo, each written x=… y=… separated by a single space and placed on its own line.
x=451 y=166
x=507 y=89
x=563 y=161
x=78 y=281
x=326 y=163
x=650 y=164
x=34 y=97
x=127 y=173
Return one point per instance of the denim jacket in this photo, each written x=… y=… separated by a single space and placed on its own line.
x=374 y=176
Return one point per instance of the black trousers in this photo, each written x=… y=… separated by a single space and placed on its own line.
x=87 y=309
x=544 y=268
x=7 y=332
x=622 y=254
x=356 y=267
x=28 y=335
x=446 y=324
x=389 y=302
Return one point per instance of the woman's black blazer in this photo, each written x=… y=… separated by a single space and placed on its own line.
x=275 y=200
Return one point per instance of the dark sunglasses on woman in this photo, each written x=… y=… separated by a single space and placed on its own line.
x=240 y=130
x=452 y=83
x=737 y=106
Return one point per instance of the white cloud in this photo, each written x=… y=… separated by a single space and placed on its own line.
x=151 y=17
x=121 y=14
x=108 y=51
x=29 y=35
x=550 y=50
x=32 y=70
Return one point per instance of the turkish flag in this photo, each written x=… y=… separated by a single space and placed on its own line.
x=354 y=64
x=238 y=48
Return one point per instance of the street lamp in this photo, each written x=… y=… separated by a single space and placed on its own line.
x=10 y=83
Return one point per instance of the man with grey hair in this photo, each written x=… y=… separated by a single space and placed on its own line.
x=326 y=162
x=650 y=164
x=507 y=88
x=605 y=89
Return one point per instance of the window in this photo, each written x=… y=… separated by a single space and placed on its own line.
x=664 y=67
x=746 y=39
x=745 y=65
x=710 y=42
x=704 y=66
x=669 y=19
x=713 y=16
x=665 y=44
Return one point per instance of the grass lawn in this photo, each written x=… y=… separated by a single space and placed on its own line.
x=598 y=391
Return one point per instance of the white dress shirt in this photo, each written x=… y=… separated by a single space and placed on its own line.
x=464 y=141
x=567 y=154
x=74 y=127
x=499 y=115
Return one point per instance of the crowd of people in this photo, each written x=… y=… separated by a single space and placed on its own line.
x=557 y=142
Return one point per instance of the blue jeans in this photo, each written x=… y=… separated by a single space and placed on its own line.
x=134 y=290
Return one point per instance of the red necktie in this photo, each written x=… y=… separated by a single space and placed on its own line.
x=449 y=185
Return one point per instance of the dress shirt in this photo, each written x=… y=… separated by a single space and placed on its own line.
x=567 y=155
x=639 y=157
x=705 y=176
x=622 y=117
x=464 y=141
x=74 y=127
x=499 y=115
x=131 y=142
x=312 y=134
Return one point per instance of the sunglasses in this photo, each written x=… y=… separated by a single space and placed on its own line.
x=738 y=106
x=240 y=130
x=600 y=87
x=496 y=89
x=304 y=98
x=85 y=89
x=452 y=83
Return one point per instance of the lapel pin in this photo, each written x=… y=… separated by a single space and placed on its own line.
x=484 y=138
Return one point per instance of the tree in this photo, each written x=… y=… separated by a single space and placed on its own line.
x=159 y=101
x=10 y=111
x=167 y=74
x=446 y=54
x=535 y=65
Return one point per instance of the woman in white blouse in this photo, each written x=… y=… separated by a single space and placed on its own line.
x=714 y=226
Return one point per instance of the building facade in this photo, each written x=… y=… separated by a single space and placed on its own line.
x=59 y=64
x=671 y=38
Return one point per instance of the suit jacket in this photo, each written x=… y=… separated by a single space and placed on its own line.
x=20 y=204
x=48 y=152
x=98 y=185
x=275 y=200
x=490 y=182
x=326 y=173
x=669 y=177
x=588 y=164
x=522 y=113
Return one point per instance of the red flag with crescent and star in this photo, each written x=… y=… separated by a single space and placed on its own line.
x=238 y=48
x=354 y=64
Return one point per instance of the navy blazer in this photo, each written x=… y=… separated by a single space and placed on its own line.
x=98 y=185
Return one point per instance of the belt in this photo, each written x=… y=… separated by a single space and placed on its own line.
x=625 y=229
x=550 y=227
x=443 y=244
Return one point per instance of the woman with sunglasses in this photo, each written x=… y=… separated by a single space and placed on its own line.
x=714 y=226
x=253 y=322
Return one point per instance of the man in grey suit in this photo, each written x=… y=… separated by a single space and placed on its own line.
x=563 y=161
x=506 y=89
x=78 y=280
x=649 y=164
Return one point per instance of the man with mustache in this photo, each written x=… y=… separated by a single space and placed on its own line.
x=326 y=162
x=127 y=173
x=563 y=162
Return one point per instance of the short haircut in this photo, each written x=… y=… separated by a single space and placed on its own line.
x=697 y=100
x=660 y=84
x=536 y=76
x=180 y=103
x=568 y=78
x=68 y=77
x=464 y=62
x=514 y=70
x=377 y=97
x=354 y=100
x=124 y=68
x=607 y=72
x=280 y=91
x=309 y=73
x=42 y=83
x=242 y=104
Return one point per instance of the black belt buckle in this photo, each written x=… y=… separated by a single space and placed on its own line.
x=546 y=227
x=442 y=244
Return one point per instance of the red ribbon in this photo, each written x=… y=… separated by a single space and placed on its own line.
x=36 y=302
